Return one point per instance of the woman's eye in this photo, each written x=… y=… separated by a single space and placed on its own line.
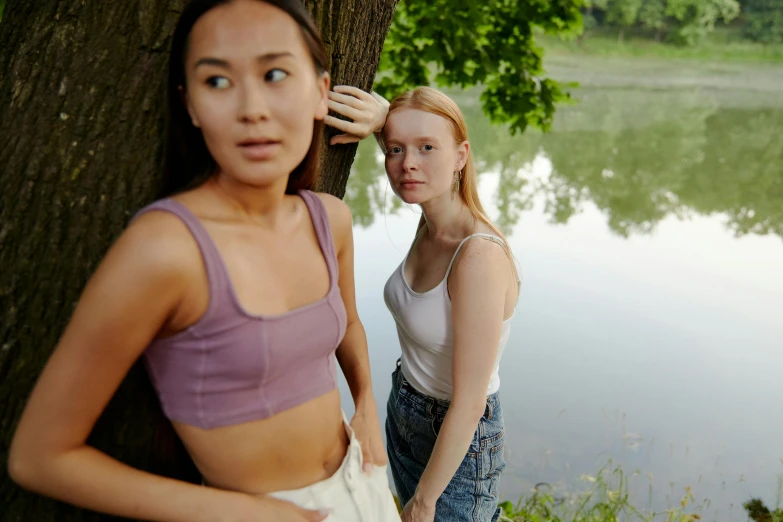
x=428 y=147
x=218 y=82
x=275 y=75
x=395 y=150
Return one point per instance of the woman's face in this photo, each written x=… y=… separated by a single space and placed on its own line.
x=253 y=90
x=421 y=154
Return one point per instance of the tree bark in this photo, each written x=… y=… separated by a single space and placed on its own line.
x=82 y=94
x=354 y=32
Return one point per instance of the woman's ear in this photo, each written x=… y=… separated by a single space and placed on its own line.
x=322 y=109
x=463 y=151
x=186 y=101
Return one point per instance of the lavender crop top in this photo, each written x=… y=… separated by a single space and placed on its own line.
x=232 y=367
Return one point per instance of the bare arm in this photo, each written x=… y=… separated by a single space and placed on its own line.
x=134 y=292
x=352 y=354
x=478 y=286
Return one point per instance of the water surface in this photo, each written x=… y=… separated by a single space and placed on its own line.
x=649 y=227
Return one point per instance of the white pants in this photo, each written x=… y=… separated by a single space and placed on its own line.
x=350 y=494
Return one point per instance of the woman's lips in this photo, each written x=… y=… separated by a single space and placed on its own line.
x=259 y=150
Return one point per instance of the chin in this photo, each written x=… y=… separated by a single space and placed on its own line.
x=413 y=199
x=417 y=197
x=262 y=175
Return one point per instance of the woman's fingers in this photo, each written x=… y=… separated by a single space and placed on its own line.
x=314 y=516
x=345 y=110
x=368 y=112
x=353 y=91
x=380 y=99
x=348 y=100
x=342 y=139
x=367 y=458
x=341 y=125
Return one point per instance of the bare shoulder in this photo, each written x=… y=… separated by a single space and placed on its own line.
x=339 y=214
x=141 y=281
x=158 y=244
x=481 y=256
x=336 y=208
x=480 y=275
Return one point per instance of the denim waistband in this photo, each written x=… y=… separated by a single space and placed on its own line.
x=433 y=405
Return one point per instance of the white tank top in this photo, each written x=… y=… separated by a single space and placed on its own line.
x=424 y=328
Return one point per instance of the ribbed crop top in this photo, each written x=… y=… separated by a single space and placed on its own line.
x=232 y=367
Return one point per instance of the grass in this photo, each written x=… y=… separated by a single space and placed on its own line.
x=607 y=499
x=759 y=512
x=721 y=45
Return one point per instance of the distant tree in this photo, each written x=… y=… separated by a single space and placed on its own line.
x=593 y=9
x=697 y=18
x=764 y=21
x=622 y=14
x=652 y=16
x=686 y=21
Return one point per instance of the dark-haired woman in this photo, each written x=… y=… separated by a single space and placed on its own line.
x=237 y=290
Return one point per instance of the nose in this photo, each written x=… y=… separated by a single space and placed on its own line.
x=409 y=162
x=253 y=105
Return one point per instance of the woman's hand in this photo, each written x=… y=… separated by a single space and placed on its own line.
x=367 y=429
x=368 y=112
x=415 y=511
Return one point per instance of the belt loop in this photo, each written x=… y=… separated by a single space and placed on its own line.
x=489 y=409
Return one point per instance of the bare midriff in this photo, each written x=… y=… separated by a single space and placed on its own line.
x=290 y=450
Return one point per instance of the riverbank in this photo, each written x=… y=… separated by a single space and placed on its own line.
x=722 y=45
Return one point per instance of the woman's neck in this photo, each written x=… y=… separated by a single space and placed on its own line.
x=262 y=206
x=447 y=219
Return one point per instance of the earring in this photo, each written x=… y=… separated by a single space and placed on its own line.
x=455 y=184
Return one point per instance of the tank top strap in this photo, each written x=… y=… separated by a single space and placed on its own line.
x=491 y=237
x=323 y=231
x=217 y=275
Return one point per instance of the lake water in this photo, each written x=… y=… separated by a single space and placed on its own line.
x=649 y=227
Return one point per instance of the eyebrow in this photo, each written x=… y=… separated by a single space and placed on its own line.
x=417 y=138
x=219 y=62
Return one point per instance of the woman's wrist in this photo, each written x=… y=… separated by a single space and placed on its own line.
x=218 y=504
x=364 y=402
x=423 y=500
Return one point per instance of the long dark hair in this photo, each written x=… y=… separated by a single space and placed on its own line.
x=188 y=162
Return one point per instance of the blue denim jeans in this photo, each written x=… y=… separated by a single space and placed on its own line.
x=412 y=424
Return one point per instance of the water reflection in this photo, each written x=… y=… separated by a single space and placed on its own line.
x=638 y=156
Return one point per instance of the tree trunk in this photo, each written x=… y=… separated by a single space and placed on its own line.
x=354 y=32
x=81 y=127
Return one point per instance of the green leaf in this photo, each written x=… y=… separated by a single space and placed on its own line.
x=461 y=43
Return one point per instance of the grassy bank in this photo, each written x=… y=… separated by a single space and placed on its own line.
x=725 y=44
x=607 y=499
